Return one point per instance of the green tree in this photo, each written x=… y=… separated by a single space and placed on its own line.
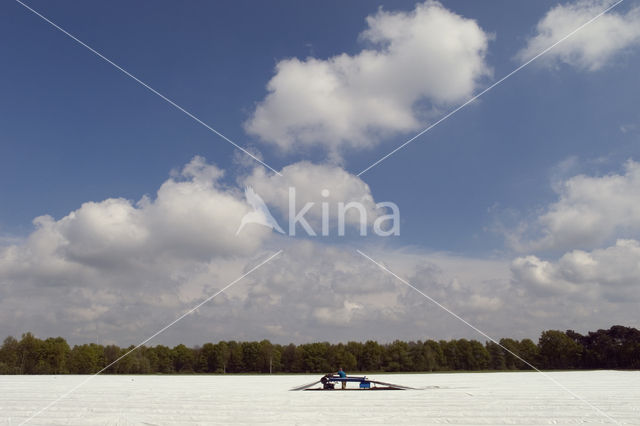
x=152 y=357
x=347 y=361
x=617 y=347
x=529 y=352
x=208 y=359
x=480 y=356
x=470 y=355
x=133 y=361
x=511 y=347
x=434 y=358
x=558 y=351
x=29 y=349
x=315 y=357
x=235 y=364
x=627 y=346
x=111 y=353
x=370 y=357
x=163 y=359
x=355 y=349
x=417 y=355
x=496 y=354
x=86 y=359
x=182 y=359
x=9 y=355
x=268 y=357
x=250 y=356
x=223 y=354
x=451 y=354
x=53 y=355
x=289 y=358
x=397 y=357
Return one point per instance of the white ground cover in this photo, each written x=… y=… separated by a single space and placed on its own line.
x=466 y=398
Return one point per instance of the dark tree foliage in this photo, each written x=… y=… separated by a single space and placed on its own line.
x=559 y=351
x=617 y=347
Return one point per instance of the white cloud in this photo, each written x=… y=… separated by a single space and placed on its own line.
x=418 y=60
x=587 y=276
x=611 y=273
x=591 y=47
x=312 y=291
x=191 y=217
x=325 y=292
x=121 y=270
x=590 y=211
x=115 y=268
x=309 y=181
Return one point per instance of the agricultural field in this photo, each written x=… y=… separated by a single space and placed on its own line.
x=462 y=398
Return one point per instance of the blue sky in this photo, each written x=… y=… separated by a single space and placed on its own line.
x=73 y=129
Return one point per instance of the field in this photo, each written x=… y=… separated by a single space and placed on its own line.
x=466 y=398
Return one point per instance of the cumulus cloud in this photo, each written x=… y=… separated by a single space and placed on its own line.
x=85 y=261
x=312 y=291
x=192 y=215
x=590 y=210
x=121 y=270
x=317 y=184
x=118 y=267
x=418 y=61
x=337 y=294
x=610 y=273
x=111 y=269
x=594 y=279
x=594 y=45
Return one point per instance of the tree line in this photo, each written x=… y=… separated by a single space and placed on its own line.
x=617 y=347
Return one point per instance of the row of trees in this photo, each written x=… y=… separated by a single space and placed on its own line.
x=618 y=347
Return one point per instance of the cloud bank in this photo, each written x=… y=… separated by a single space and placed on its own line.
x=118 y=268
x=121 y=270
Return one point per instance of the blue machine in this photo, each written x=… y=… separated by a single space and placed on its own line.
x=331 y=380
x=329 y=383
x=347 y=379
